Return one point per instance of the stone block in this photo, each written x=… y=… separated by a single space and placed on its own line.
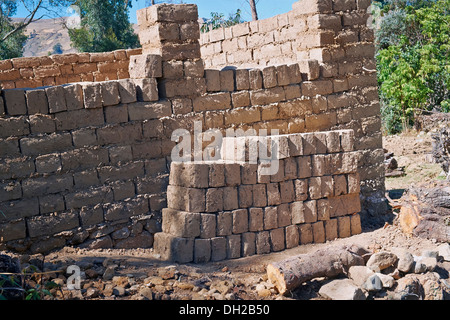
x=218 y=248
x=301 y=189
x=273 y=194
x=310 y=211
x=287 y=192
x=195 y=200
x=284 y=215
x=262 y=242
x=323 y=209
x=248 y=242
x=340 y=185
x=145 y=66
x=256 y=219
x=331 y=229
x=354 y=184
x=216 y=175
x=181 y=224
x=202 y=250
x=249 y=173
x=292 y=236
x=224 y=223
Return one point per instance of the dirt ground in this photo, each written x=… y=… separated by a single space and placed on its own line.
x=138 y=274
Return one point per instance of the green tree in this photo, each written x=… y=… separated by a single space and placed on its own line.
x=105 y=26
x=413 y=63
x=11 y=42
x=217 y=20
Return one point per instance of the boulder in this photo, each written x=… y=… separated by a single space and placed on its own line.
x=444 y=251
x=381 y=260
x=342 y=289
x=359 y=274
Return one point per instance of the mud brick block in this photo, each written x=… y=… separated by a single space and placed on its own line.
x=278 y=176
x=13 y=230
x=310 y=211
x=347 y=140
x=224 y=223
x=259 y=195
x=230 y=198
x=88 y=158
x=295 y=75
x=264 y=169
x=232 y=174
x=46 y=144
x=245 y=196
x=354 y=184
x=10 y=191
x=255 y=79
x=95 y=196
x=295 y=145
x=92 y=95
x=344 y=230
x=126 y=209
x=256 y=219
x=287 y=193
x=270 y=218
x=269 y=77
x=277 y=239
x=306 y=233
x=321 y=142
x=319 y=165
x=195 y=175
x=226 y=80
x=318 y=232
x=248 y=242
x=249 y=173
x=207 y=225
x=9 y=147
x=145 y=66
x=214 y=200
x=309 y=144
x=297 y=212
x=233 y=246
x=333 y=142
x=173 y=248
x=16 y=126
x=127 y=91
x=212 y=80
x=149 y=110
x=331 y=229
x=315 y=187
x=290 y=168
x=262 y=242
x=49 y=225
x=85 y=137
x=283 y=75
x=181 y=224
x=202 y=250
x=340 y=185
x=273 y=194
x=195 y=200
x=37 y=101
x=240 y=221
x=323 y=210
x=218 y=248
x=310 y=69
x=267 y=96
x=215 y=101
x=242 y=79
x=349 y=162
x=86 y=179
x=48 y=163
x=327 y=186
x=14 y=101
x=176 y=197
x=304 y=167
x=284 y=215
x=123 y=190
x=301 y=189
x=73 y=95
x=90 y=216
x=355 y=224
x=110 y=93
x=146 y=89
x=216 y=175
x=116 y=114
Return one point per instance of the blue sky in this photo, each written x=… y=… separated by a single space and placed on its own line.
x=266 y=8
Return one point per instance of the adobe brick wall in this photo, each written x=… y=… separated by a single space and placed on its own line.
x=88 y=163
x=33 y=72
x=231 y=209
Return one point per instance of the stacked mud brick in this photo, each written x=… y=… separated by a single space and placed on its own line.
x=226 y=209
x=87 y=163
x=32 y=72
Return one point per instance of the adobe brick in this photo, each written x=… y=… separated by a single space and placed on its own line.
x=14 y=101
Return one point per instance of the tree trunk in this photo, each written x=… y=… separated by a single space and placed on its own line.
x=289 y=274
x=253 y=9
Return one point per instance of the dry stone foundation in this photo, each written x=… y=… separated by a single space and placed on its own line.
x=88 y=163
